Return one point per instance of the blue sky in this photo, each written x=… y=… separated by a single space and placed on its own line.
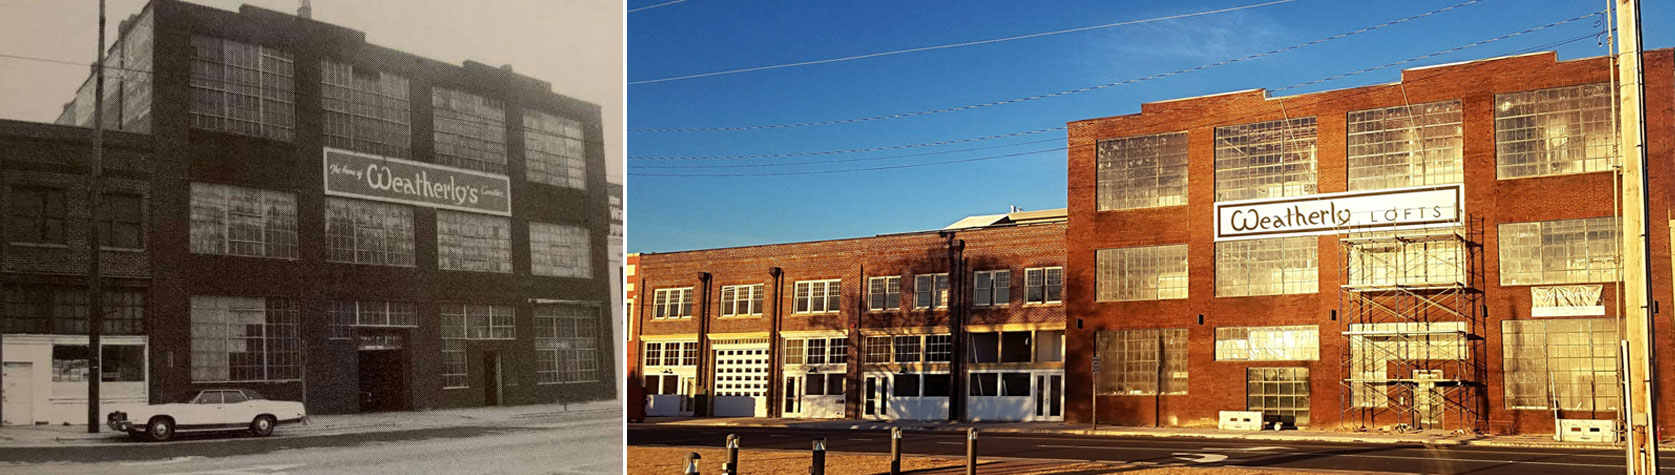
x=669 y=213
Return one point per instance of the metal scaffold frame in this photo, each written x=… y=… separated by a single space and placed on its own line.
x=1411 y=306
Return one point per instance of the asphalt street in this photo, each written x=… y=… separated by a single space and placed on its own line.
x=1169 y=451
x=570 y=447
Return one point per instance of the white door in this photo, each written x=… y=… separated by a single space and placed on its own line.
x=741 y=382
x=1049 y=396
x=875 y=402
x=17 y=398
x=793 y=405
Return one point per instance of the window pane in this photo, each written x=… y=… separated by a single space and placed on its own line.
x=1142 y=172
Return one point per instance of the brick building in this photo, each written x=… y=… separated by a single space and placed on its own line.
x=961 y=323
x=303 y=213
x=1439 y=252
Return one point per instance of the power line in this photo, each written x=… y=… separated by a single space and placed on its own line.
x=648 y=7
x=853 y=150
x=949 y=45
x=848 y=160
x=888 y=167
x=1060 y=93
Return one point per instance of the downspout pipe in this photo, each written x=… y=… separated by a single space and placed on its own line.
x=705 y=372
x=776 y=365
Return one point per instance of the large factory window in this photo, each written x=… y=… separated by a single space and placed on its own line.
x=566 y=344
x=241 y=221
x=1271 y=159
x=1559 y=252
x=560 y=250
x=367 y=232
x=1285 y=343
x=1282 y=392
x=242 y=88
x=344 y=316
x=473 y=242
x=1141 y=273
x=553 y=150
x=1134 y=362
x=1267 y=266
x=1571 y=360
x=1557 y=131
x=1401 y=146
x=461 y=322
x=365 y=110
x=245 y=339
x=470 y=130
x=1146 y=171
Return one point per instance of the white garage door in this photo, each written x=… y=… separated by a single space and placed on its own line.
x=741 y=381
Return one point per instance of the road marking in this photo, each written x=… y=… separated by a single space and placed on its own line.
x=1095 y=447
x=255 y=470
x=1245 y=449
x=952 y=443
x=1200 y=458
x=164 y=462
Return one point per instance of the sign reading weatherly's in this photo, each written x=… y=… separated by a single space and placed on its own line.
x=373 y=177
x=1338 y=212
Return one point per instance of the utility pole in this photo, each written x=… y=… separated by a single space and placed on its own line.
x=1642 y=450
x=95 y=311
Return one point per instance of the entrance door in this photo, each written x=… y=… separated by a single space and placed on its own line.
x=383 y=381
x=491 y=378
x=1049 y=395
x=875 y=403
x=1427 y=399
x=17 y=397
x=793 y=398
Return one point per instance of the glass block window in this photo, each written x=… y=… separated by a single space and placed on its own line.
x=473 y=242
x=369 y=232
x=1414 y=262
x=1267 y=267
x=672 y=303
x=345 y=315
x=1571 y=359
x=554 y=150
x=939 y=348
x=1559 y=252
x=242 y=88
x=909 y=349
x=1271 y=159
x=1146 y=171
x=992 y=287
x=1556 y=131
x=884 y=293
x=741 y=300
x=1401 y=146
x=566 y=344
x=365 y=110
x=1282 y=392
x=560 y=250
x=37 y=215
x=470 y=130
x=930 y=291
x=241 y=221
x=245 y=339
x=1141 y=273
x=878 y=349
x=1133 y=362
x=817 y=296
x=122 y=220
x=1283 y=343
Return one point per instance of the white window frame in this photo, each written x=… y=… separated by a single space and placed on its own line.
x=672 y=303
x=936 y=291
x=1047 y=275
x=873 y=291
x=998 y=290
x=804 y=298
x=742 y=300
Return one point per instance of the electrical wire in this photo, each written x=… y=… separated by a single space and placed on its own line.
x=648 y=7
x=854 y=150
x=949 y=45
x=1059 y=93
x=849 y=160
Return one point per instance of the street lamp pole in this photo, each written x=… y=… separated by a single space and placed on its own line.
x=1640 y=404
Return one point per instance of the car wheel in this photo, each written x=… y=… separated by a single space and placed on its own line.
x=262 y=426
x=160 y=428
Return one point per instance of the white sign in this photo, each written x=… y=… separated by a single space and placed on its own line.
x=1566 y=301
x=1332 y=213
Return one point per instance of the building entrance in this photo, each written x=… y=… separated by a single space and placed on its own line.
x=383 y=373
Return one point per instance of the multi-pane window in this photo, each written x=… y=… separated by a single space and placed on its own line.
x=1573 y=360
x=1555 y=131
x=1271 y=159
x=1267 y=266
x=566 y=344
x=878 y=349
x=553 y=149
x=1141 y=273
x=345 y=316
x=672 y=303
x=1559 y=252
x=560 y=250
x=365 y=110
x=1413 y=145
x=122 y=220
x=1002 y=347
x=242 y=88
x=1133 y=362
x=816 y=351
x=794 y=351
x=939 y=348
x=671 y=353
x=908 y=348
x=1412 y=260
x=369 y=232
x=461 y=322
x=1284 y=343
x=930 y=291
x=473 y=242
x=1146 y=171
x=992 y=287
x=37 y=215
x=739 y=300
x=884 y=293
x=817 y=296
x=1282 y=392
x=241 y=221
x=1044 y=285
x=470 y=130
x=62 y=310
x=245 y=339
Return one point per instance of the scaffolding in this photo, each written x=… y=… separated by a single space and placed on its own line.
x=1411 y=306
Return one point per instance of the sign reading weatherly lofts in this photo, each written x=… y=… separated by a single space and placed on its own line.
x=1332 y=213
x=359 y=175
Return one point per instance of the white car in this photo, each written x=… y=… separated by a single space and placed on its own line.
x=209 y=410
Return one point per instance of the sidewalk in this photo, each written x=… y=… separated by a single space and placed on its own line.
x=1045 y=428
x=333 y=424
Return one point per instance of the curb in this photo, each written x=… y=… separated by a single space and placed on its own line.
x=110 y=438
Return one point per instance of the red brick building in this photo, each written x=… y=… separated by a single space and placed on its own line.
x=1438 y=252
x=964 y=323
